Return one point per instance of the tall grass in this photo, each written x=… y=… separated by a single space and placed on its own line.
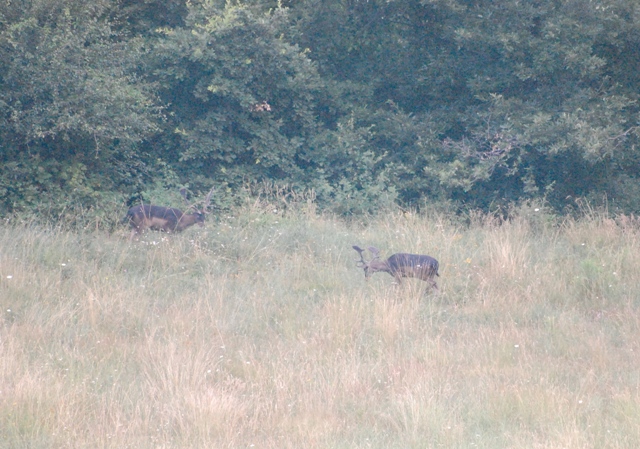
x=259 y=331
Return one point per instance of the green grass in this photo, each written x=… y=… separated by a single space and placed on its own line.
x=259 y=331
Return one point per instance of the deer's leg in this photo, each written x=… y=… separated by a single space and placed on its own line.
x=135 y=230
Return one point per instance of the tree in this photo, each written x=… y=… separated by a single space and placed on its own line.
x=530 y=99
x=547 y=118
x=73 y=104
x=248 y=105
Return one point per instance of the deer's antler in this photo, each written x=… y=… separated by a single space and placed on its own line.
x=183 y=193
x=375 y=252
x=207 y=200
x=361 y=262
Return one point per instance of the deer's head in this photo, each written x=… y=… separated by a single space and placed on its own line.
x=372 y=266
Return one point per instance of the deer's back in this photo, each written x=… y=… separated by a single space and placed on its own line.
x=154 y=217
x=413 y=265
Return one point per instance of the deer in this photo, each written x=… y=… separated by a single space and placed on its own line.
x=399 y=265
x=167 y=219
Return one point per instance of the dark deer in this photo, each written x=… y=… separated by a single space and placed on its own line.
x=400 y=265
x=167 y=219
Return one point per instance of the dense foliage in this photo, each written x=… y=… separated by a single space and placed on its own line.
x=366 y=102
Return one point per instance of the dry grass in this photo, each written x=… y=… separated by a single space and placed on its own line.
x=259 y=331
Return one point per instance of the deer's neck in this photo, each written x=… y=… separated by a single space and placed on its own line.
x=379 y=265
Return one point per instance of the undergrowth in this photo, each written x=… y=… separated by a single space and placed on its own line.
x=259 y=331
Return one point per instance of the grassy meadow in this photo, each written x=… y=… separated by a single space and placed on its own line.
x=258 y=330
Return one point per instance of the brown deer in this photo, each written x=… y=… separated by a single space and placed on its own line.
x=400 y=265
x=167 y=219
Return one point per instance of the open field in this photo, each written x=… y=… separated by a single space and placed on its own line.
x=259 y=331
